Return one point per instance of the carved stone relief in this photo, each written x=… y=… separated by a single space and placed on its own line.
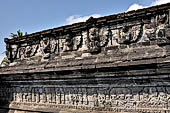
x=14 y=51
x=77 y=41
x=67 y=43
x=70 y=43
x=144 y=98
x=130 y=34
x=113 y=37
x=30 y=50
x=86 y=97
x=93 y=39
x=45 y=48
x=149 y=32
x=97 y=38
x=53 y=45
x=103 y=36
x=21 y=53
x=84 y=42
x=162 y=23
x=156 y=28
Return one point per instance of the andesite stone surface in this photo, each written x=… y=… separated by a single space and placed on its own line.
x=113 y=64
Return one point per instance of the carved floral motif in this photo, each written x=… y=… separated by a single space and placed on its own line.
x=156 y=28
x=70 y=43
x=130 y=34
x=97 y=38
x=30 y=50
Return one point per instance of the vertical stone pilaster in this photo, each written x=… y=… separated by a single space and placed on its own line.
x=169 y=16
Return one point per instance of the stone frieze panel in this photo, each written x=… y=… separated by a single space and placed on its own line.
x=109 y=98
x=92 y=39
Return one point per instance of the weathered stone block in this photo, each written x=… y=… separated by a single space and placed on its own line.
x=167 y=32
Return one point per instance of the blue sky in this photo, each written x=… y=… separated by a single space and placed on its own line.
x=36 y=15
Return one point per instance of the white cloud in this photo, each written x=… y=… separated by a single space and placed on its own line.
x=156 y=2
x=78 y=18
x=135 y=7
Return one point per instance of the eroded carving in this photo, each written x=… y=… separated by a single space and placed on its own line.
x=93 y=40
x=97 y=38
x=130 y=34
x=99 y=97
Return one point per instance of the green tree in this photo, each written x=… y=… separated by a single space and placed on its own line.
x=5 y=61
x=19 y=34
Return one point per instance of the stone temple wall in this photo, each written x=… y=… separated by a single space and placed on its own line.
x=113 y=64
